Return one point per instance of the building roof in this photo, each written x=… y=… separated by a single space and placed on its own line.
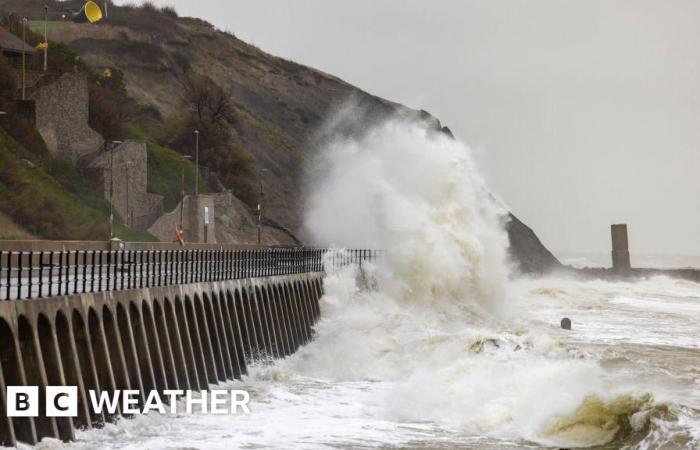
x=9 y=43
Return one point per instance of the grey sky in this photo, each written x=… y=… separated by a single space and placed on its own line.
x=582 y=113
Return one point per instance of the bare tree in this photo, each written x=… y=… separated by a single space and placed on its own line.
x=208 y=100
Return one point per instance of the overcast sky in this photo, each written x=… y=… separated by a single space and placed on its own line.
x=582 y=113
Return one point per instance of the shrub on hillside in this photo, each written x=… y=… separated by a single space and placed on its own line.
x=169 y=11
x=232 y=165
x=16 y=124
x=108 y=113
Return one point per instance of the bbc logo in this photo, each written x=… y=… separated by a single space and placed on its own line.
x=62 y=401
x=23 y=401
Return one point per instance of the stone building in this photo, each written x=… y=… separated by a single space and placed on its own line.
x=195 y=215
x=129 y=170
x=62 y=111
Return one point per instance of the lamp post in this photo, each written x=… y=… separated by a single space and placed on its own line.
x=46 y=38
x=112 y=144
x=260 y=205
x=196 y=162
x=24 y=58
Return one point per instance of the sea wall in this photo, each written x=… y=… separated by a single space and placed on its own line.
x=184 y=336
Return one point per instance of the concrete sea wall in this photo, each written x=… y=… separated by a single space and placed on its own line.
x=185 y=336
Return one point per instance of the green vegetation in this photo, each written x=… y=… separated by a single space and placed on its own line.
x=165 y=170
x=165 y=175
x=53 y=204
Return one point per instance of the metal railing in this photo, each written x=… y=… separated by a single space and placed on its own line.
x=31 y=274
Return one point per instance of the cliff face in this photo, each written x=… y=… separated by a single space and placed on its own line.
x=277 y=105
x=527 y=251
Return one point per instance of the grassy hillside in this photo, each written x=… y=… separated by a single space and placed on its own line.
x=165 y=175
x=9 y=230
x=54 y=202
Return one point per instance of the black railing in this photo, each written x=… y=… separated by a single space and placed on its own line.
x=26 y=275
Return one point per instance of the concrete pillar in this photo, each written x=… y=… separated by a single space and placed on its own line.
x=218 y=301
x=86 y=361
x=234 y=337
x=114 y=342
x=155 y=354
x=254 y=296
x=129 y=347
x=293 y=315
x=204 y=341
x=143 y=355
x=620 y=250
x=30 y=350
x=298 y=314
x=304 y=310
x=187 y=340
x=101 y=351
x=181 y=358
x=166 y=347
x=214 y=337
x=284 y=311
x=71 y=366
x=197 y=347
x=240 y=339
x=279 y=325
x=255 y=339
x=268 y=320
x=7 y=429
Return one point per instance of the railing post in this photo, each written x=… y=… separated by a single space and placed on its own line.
x=254 y=259
x=31 y=274
x=9 y=276
x=178 y=267
x=60 y=272
x=92 y=272
x=41 y=273
x=263 y=269
x=219 y=265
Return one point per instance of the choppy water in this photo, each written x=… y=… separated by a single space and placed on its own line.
x=399 y=376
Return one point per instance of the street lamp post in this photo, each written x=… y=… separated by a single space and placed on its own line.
x=24 y=58
x=46 y=38
x=196 y=162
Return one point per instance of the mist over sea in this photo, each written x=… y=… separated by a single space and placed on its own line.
x=437 y=346
x=652 y=260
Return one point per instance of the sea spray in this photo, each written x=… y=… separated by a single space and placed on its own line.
x=434 y=328
x=415 y=193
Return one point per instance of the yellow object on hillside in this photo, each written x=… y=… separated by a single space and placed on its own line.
x=90 y=12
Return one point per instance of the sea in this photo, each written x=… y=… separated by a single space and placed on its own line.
x=382 y=374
